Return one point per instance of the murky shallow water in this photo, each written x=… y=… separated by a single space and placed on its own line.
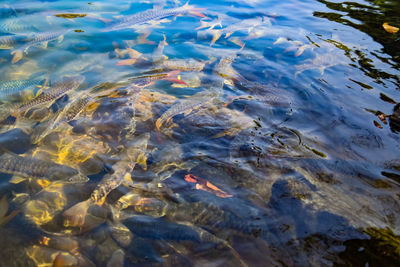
x=265 y=134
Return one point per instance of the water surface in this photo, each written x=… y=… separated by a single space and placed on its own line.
x=264 y=134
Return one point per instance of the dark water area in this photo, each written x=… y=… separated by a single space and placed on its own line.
x=213 y=133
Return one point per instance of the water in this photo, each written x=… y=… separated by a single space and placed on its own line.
x=270 y=139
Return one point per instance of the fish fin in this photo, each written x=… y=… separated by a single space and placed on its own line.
x=60 y=38
x=75 y=216
x=159 y=123
x=142 y=161
x=176 y=80
x=3 y=206
x=128 y=180
x=280 y=40
x=300 y=51
x=9 y=217
x=44 y=45
x=18 y=54
x=16 y=179
x=216 y=35
x=126 y=62
x=228 y=34
x=5 y=47
x=203 y=24
x=197 y=12
x=165 y=40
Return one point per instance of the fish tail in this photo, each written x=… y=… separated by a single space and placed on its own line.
x=75 y=216
x=159 y=123
x=216 y=35
x=171 y=77
x=228 y=34
x=165 y=40
x=197 y=12
x=203 y=24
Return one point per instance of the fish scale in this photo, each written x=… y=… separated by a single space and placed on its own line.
x=44 y=37
x=30 y=167
x=15 y=26
x=76 y=108
x=8 y=88
x=146 y=16
x=8 y=41
x=53 y=93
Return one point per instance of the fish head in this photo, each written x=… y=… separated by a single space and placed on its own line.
x=78 y=178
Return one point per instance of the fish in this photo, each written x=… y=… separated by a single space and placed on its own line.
x=295 y=45
x=9 y=88
x=145 y=81
x=3 y=211
x=153 y=14
x=75 y=108
x=66 y=115
x=39 y=39
x=28 y=167
x=158 y=52
x=75 y=216
x=210 y=24
x=59 y=89
x=16 y=25
x=9 y=41
x=185 y=106
x=321 y=62
x=244 y=25
x=184 y=65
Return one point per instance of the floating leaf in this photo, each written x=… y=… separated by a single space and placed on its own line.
x=70 y=15
x=389 y=28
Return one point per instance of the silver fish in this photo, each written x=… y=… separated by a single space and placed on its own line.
x=8 y=88
x=52 y=93
x=152 y=14
x=44 y=38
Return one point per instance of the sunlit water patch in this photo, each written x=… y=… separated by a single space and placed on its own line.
x=240 y=133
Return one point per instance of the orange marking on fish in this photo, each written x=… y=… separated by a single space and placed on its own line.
x=190 y=178
x=204 y=185
x=126 y=62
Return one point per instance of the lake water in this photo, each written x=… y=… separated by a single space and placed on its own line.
x=214 y=133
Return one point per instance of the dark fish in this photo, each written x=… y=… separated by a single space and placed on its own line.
x=53 y=93
x=156 y=228
x=152 y=14
x=27 y=167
